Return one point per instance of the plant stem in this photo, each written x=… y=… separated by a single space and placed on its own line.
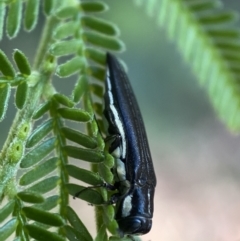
x=45 y=41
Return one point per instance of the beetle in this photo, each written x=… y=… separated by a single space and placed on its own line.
x=127 y=141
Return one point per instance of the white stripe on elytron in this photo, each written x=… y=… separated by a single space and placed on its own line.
x=109 y=89
x=115 y=114
x=149 y=199
x=127 y=206
x=110 y=96
x=120 y=128
x=121 y=170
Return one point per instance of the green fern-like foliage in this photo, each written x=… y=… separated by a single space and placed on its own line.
x=34 y=161
x=210 y=43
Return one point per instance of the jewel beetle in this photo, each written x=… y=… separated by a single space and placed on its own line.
x=127 y=142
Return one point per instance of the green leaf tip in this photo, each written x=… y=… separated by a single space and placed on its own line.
x=49 y=6
x=49 y=203
x=203 y=5
x=97 y=72
x=63 y=100
x=77 y=224
x=100 y=25
x=39 y=133
x=102 y=234
x=97 y=90
x=94 y=6
x=22 y=62
x=2 y=16
x=42 y=234
x=105 y=173
x=84 y=175
x=218 y=18
x=70 y=67
x=103 y=41
x=38 y=153
x=73 y=234
x=65 y=30
x=75 y=114
x=39 y=171
x=21 y=94
x=30 y=197
x=31 y=14
x=84 y=154
x=4 y=98
x=14 y=18
x=96 y=55
x=7 y=229
x=80 y=88
x=65 y=47
x=42 y=110
x=6 y=210
x=6 y=67
x=67 y=12
x=42 y=216
x=80 y=138
x=45 y=185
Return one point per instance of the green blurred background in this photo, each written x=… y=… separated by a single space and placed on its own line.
x=196 y=158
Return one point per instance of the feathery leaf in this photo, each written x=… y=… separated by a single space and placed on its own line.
x=198 y=27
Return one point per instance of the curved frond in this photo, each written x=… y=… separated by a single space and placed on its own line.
x=208 y=41
x=14 y=14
